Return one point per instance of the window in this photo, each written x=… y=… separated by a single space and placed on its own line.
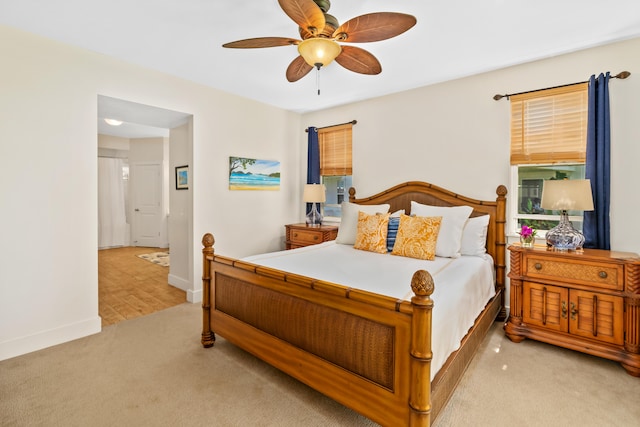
x=337 y=192
x=529 y=181
x=548 y=141
x=335 y=167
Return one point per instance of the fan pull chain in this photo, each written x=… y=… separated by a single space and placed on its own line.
x=318 y=77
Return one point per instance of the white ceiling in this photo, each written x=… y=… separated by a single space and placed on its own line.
x=452 y=39
x=139 y=120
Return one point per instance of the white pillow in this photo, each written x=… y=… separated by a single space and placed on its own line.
x=474 y=236
x=453 y=221
x=349 y=222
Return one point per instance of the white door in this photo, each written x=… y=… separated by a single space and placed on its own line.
x=147 y=204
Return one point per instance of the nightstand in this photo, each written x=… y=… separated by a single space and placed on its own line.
x=299 y=235
x=587 y=301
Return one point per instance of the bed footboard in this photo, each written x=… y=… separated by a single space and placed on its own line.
x=369 y=352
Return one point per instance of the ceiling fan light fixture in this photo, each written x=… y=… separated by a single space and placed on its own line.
x=321 y=33
x=319 y=51
x=113 y=122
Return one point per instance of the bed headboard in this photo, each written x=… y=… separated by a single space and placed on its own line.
x=400 y=197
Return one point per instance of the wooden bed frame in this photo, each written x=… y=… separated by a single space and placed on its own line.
x=369 y=352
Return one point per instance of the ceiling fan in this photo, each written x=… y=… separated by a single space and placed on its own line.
x=321 y=32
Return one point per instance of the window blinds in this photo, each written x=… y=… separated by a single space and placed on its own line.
x=335 y=150
x=550 y=125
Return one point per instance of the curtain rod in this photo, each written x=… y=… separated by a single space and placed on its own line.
x=353 y=122
x=621 y=75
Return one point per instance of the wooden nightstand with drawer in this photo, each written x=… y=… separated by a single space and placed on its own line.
x=299 y=235
x=587 y=301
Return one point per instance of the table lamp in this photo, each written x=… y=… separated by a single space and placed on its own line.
x=314 y=193
x=565 y=195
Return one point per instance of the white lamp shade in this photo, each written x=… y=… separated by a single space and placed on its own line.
x=314 y=193
x=567 y=194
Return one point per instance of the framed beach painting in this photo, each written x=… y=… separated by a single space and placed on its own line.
x=253 y=174
x=182 y=177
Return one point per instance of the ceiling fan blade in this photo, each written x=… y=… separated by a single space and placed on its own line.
x=298 y=69
x=305 y=13
x=260 y=42
x=358 y=60
x=374 y=27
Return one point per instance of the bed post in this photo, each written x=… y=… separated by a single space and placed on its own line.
x=420 y=388
x=501 y=246
x=208 y=337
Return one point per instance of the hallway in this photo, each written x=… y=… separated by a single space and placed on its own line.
x=129 y=287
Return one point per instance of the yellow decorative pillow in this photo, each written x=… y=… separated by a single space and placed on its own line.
x=417 y=237
x=372 y=232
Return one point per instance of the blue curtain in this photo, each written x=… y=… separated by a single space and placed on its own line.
x=313 y=160
x=598 y=167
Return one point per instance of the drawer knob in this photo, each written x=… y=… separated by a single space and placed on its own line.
x=295 y=234
x=603 y=274
x=315 y=237
x=538 y=266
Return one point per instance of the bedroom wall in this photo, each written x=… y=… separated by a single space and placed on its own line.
x=180 y=213
x=456 y=136
x=113 y=142
x=48 y=134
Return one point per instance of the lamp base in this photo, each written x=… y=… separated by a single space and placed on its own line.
x=314 y=218
x=564 y=237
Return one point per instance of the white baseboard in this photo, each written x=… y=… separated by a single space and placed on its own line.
x=194 y=296
x=179 y=282
x=27 y=344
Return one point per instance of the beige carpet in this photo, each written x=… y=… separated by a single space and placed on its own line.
x=160 y=258
x=532 y=384
x=152 y=371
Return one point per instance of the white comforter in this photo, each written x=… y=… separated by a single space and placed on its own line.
x=463 y=285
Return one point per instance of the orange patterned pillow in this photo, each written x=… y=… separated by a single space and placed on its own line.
x=372 y=232
x=417 y=237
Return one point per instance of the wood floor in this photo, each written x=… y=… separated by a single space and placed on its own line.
x=130 y=287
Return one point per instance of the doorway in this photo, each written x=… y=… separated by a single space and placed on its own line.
x=143 y=138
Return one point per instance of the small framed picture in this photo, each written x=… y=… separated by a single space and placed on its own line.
x=182 y=177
